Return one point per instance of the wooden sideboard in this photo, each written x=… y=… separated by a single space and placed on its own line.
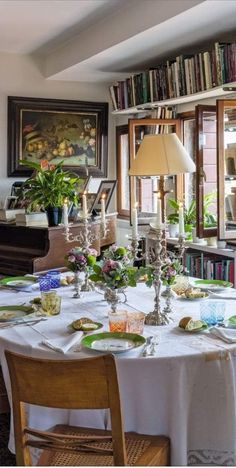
x=35 y=249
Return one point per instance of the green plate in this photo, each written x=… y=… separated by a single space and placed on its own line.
x=213 y=285
x=13 y=313
x=113 y=342
x=18 y=281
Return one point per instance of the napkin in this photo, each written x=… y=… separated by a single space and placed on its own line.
x=227 y=335
x=62 y=345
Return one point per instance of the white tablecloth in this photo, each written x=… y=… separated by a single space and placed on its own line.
x=187 y=391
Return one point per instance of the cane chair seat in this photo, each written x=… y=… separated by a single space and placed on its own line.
x=76 y=384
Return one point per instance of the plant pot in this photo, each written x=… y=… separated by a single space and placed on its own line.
x=173 y=230
x=54 y=215
x=188 y=231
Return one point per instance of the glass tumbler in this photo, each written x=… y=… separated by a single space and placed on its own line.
x=135 y=322
x=212 y=312
x=117 y=321
x=55 y=278
x=44 y=283
x=51 y=302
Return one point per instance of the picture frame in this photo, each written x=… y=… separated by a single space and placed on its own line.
x=74 y=132
x=10 y=203
x=106 y=187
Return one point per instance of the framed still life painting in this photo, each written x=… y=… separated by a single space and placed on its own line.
x=74 y=132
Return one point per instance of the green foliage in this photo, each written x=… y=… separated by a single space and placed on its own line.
x=190 y=212
x=49 y=187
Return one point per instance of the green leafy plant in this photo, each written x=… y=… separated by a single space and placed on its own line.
x=49 y=187
x=189 y=213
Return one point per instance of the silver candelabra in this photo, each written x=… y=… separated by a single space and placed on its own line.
x=85 y=238
x=157 y=316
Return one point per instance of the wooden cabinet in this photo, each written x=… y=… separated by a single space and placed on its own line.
x=30 y=250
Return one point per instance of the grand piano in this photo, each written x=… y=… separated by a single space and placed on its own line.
x=35 y=249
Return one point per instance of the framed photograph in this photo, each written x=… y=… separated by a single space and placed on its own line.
x=74 y=132
x=106 y=188
x=10 y=203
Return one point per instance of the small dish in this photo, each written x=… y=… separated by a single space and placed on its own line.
x=113 y=342
x=195 y=330
x=203 y=298
x=86 y=327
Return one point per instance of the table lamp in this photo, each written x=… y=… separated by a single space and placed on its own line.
x=160 y=155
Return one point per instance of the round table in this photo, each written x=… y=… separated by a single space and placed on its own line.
x=186 y=391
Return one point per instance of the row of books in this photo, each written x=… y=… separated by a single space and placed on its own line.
x=185 y=75
x=200 y=265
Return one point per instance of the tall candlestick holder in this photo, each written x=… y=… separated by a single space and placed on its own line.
x=85 y=238
x=157 y=316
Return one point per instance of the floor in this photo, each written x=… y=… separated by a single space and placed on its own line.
x=6 y=457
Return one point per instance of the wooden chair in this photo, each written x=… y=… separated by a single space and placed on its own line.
x=77 y=384
x=4 y=403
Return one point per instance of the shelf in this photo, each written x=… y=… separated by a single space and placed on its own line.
x=209 y=93
x=227 y=252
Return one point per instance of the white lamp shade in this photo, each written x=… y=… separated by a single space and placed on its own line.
x=161 y=155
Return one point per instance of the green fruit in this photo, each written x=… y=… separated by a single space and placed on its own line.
x=91 y=260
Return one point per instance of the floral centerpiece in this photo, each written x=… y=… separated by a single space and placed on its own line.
x=80 y=259
x=120 y=254
x=115 y=276
x=169 y=270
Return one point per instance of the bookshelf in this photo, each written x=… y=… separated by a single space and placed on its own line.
x=207 y=262
x=186 y=78
x=210 y=93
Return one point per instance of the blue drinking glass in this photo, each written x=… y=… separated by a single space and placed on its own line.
x=44 y=283
x=55 y=278
x=212 y=312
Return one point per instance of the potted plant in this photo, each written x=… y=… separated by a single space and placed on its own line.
x=189 y=216
x=48 y=189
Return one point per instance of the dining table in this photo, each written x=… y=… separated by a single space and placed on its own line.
x=185 y=389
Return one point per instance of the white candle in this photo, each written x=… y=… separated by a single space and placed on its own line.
x=103 y=212
x=181 y=219
x=159 y=216
x=84 y=202
x=65 y=213
x=134 y=222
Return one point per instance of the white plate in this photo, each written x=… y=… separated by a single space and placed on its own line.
x=113 y=345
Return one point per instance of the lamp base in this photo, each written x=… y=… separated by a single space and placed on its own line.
x=157 y=318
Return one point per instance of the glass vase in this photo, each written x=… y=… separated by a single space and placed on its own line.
x=76 y=285
x=168 y=296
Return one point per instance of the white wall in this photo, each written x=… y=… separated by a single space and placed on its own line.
x=20 y=77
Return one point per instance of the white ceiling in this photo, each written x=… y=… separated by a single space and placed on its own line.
x=104 y=40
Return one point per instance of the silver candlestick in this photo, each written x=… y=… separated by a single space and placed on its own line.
x=157 y=317
x=85 y=238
